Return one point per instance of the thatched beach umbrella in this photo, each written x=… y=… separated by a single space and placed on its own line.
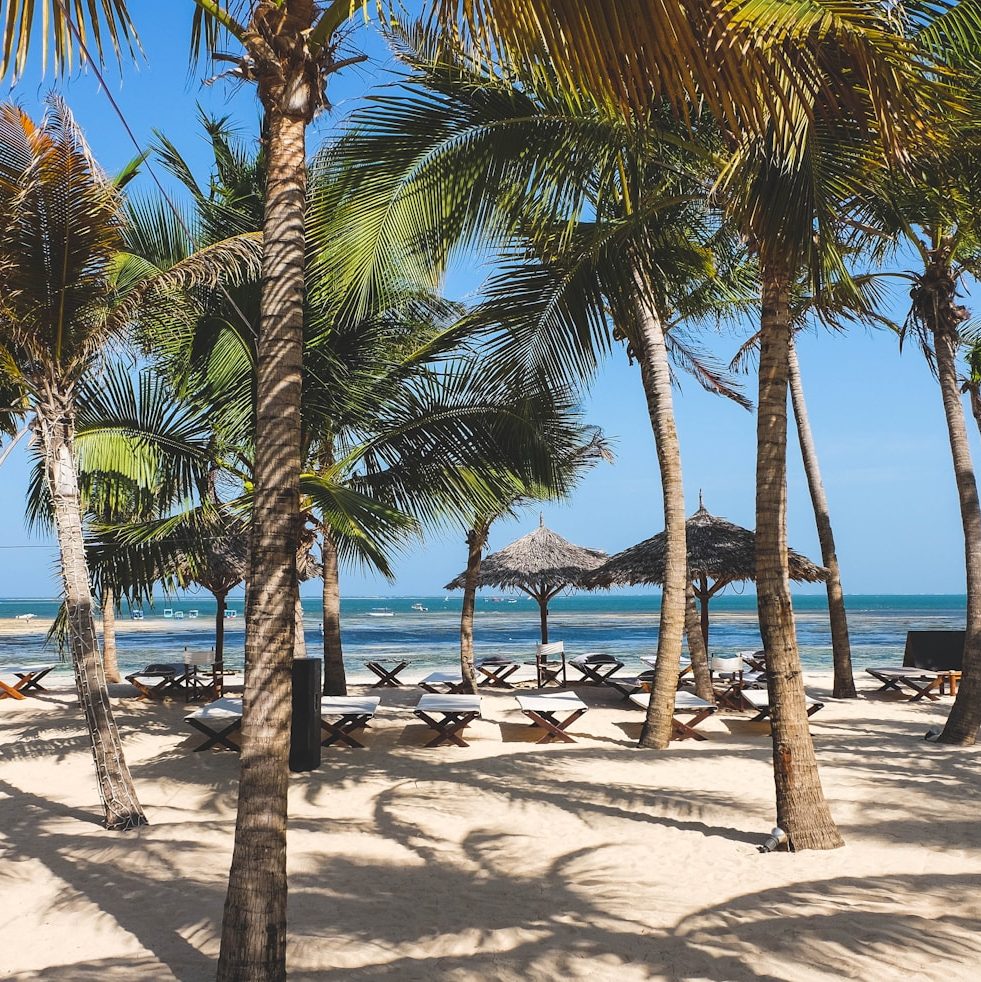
x=719 y=553
x=541 y=564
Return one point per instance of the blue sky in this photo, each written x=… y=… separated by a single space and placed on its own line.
x=876 y=413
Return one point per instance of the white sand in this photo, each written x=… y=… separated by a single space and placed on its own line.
x=505 y=860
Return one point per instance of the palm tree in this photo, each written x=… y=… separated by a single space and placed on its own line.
x=575 y=451
x=56 y=315
x=760 y=58
x=474 y=156
x=844 y=679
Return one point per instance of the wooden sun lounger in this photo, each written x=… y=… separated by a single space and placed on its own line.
x=19 y=680
x=449 y=716
x=440 y=682
x=217 y=720
x=169 y=676
x=341 y=715
x=542 y=710
x=388 y=677
x=759 y=700
x=685 y=703
x=922 y=681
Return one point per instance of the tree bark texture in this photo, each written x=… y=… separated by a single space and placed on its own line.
x=844 y=677
x=935 y=301
x=697 y=650
x=655 y=373
x=56 y=425
x=802 y=811
x=335 y=676
x=476 y=539
x=253 y=943
x=110 y=659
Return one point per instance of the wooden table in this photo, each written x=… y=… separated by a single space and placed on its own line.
x=449 y=716
x=543 y=710
x=685 y=703
x=388 y=678
x=170 y=676
x=925 y=684
x=340 y=716
x=28 y=679
x=497 y=671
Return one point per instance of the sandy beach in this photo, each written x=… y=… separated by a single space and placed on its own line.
x=505 y=860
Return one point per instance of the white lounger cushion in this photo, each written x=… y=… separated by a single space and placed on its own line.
x=449 y=704
x=27 y=669
x=221 y=709
x=435 y=678
x=562 y=702
x=760 y=698
x=682 y=701
x=349 y=705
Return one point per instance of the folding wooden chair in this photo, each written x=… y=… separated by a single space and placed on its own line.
x=218 y=721
x=449 y=716
x=340 y=716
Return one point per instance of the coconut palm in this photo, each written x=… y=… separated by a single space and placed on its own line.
x=761 y=56
x=474 y=156
x=67 y=294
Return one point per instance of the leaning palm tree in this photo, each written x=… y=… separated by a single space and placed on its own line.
x=57 y=313
x=67 y=292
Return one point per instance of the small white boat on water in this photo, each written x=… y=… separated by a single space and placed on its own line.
x=25 y=617
x=136 y=615
x=420 y=608
x=193 y=615
x=231 y=613
x=381 y=612
x=178 y=615
x=168 y=613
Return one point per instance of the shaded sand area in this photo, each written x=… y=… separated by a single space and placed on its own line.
x=505 y=860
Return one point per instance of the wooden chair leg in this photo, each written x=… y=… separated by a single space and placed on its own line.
x=10 y=691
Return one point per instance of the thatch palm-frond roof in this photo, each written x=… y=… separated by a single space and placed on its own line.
x=541 y=557
x=717 y=549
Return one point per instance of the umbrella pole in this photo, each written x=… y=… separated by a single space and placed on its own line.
x=703 y=606
x=542 y=599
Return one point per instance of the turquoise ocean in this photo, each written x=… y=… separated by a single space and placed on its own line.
x=623 y=625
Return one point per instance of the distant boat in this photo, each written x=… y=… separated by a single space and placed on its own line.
x=178 y=615
x=381 y=612
x=25 y=617
x=420 y=608
x=230 y=612
x=168 y=613
x=192 y=614
x=136 y=615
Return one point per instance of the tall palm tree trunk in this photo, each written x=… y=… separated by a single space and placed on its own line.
x=476 y=538
x=335 y=677
x=802 y=811
x=935 y=298
x=110 y=659
x=844 y=678
x=219 y=644
x=655 y=373
x=253 y=942
x=57 y=430
x=299 y=636
x=697 y=650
